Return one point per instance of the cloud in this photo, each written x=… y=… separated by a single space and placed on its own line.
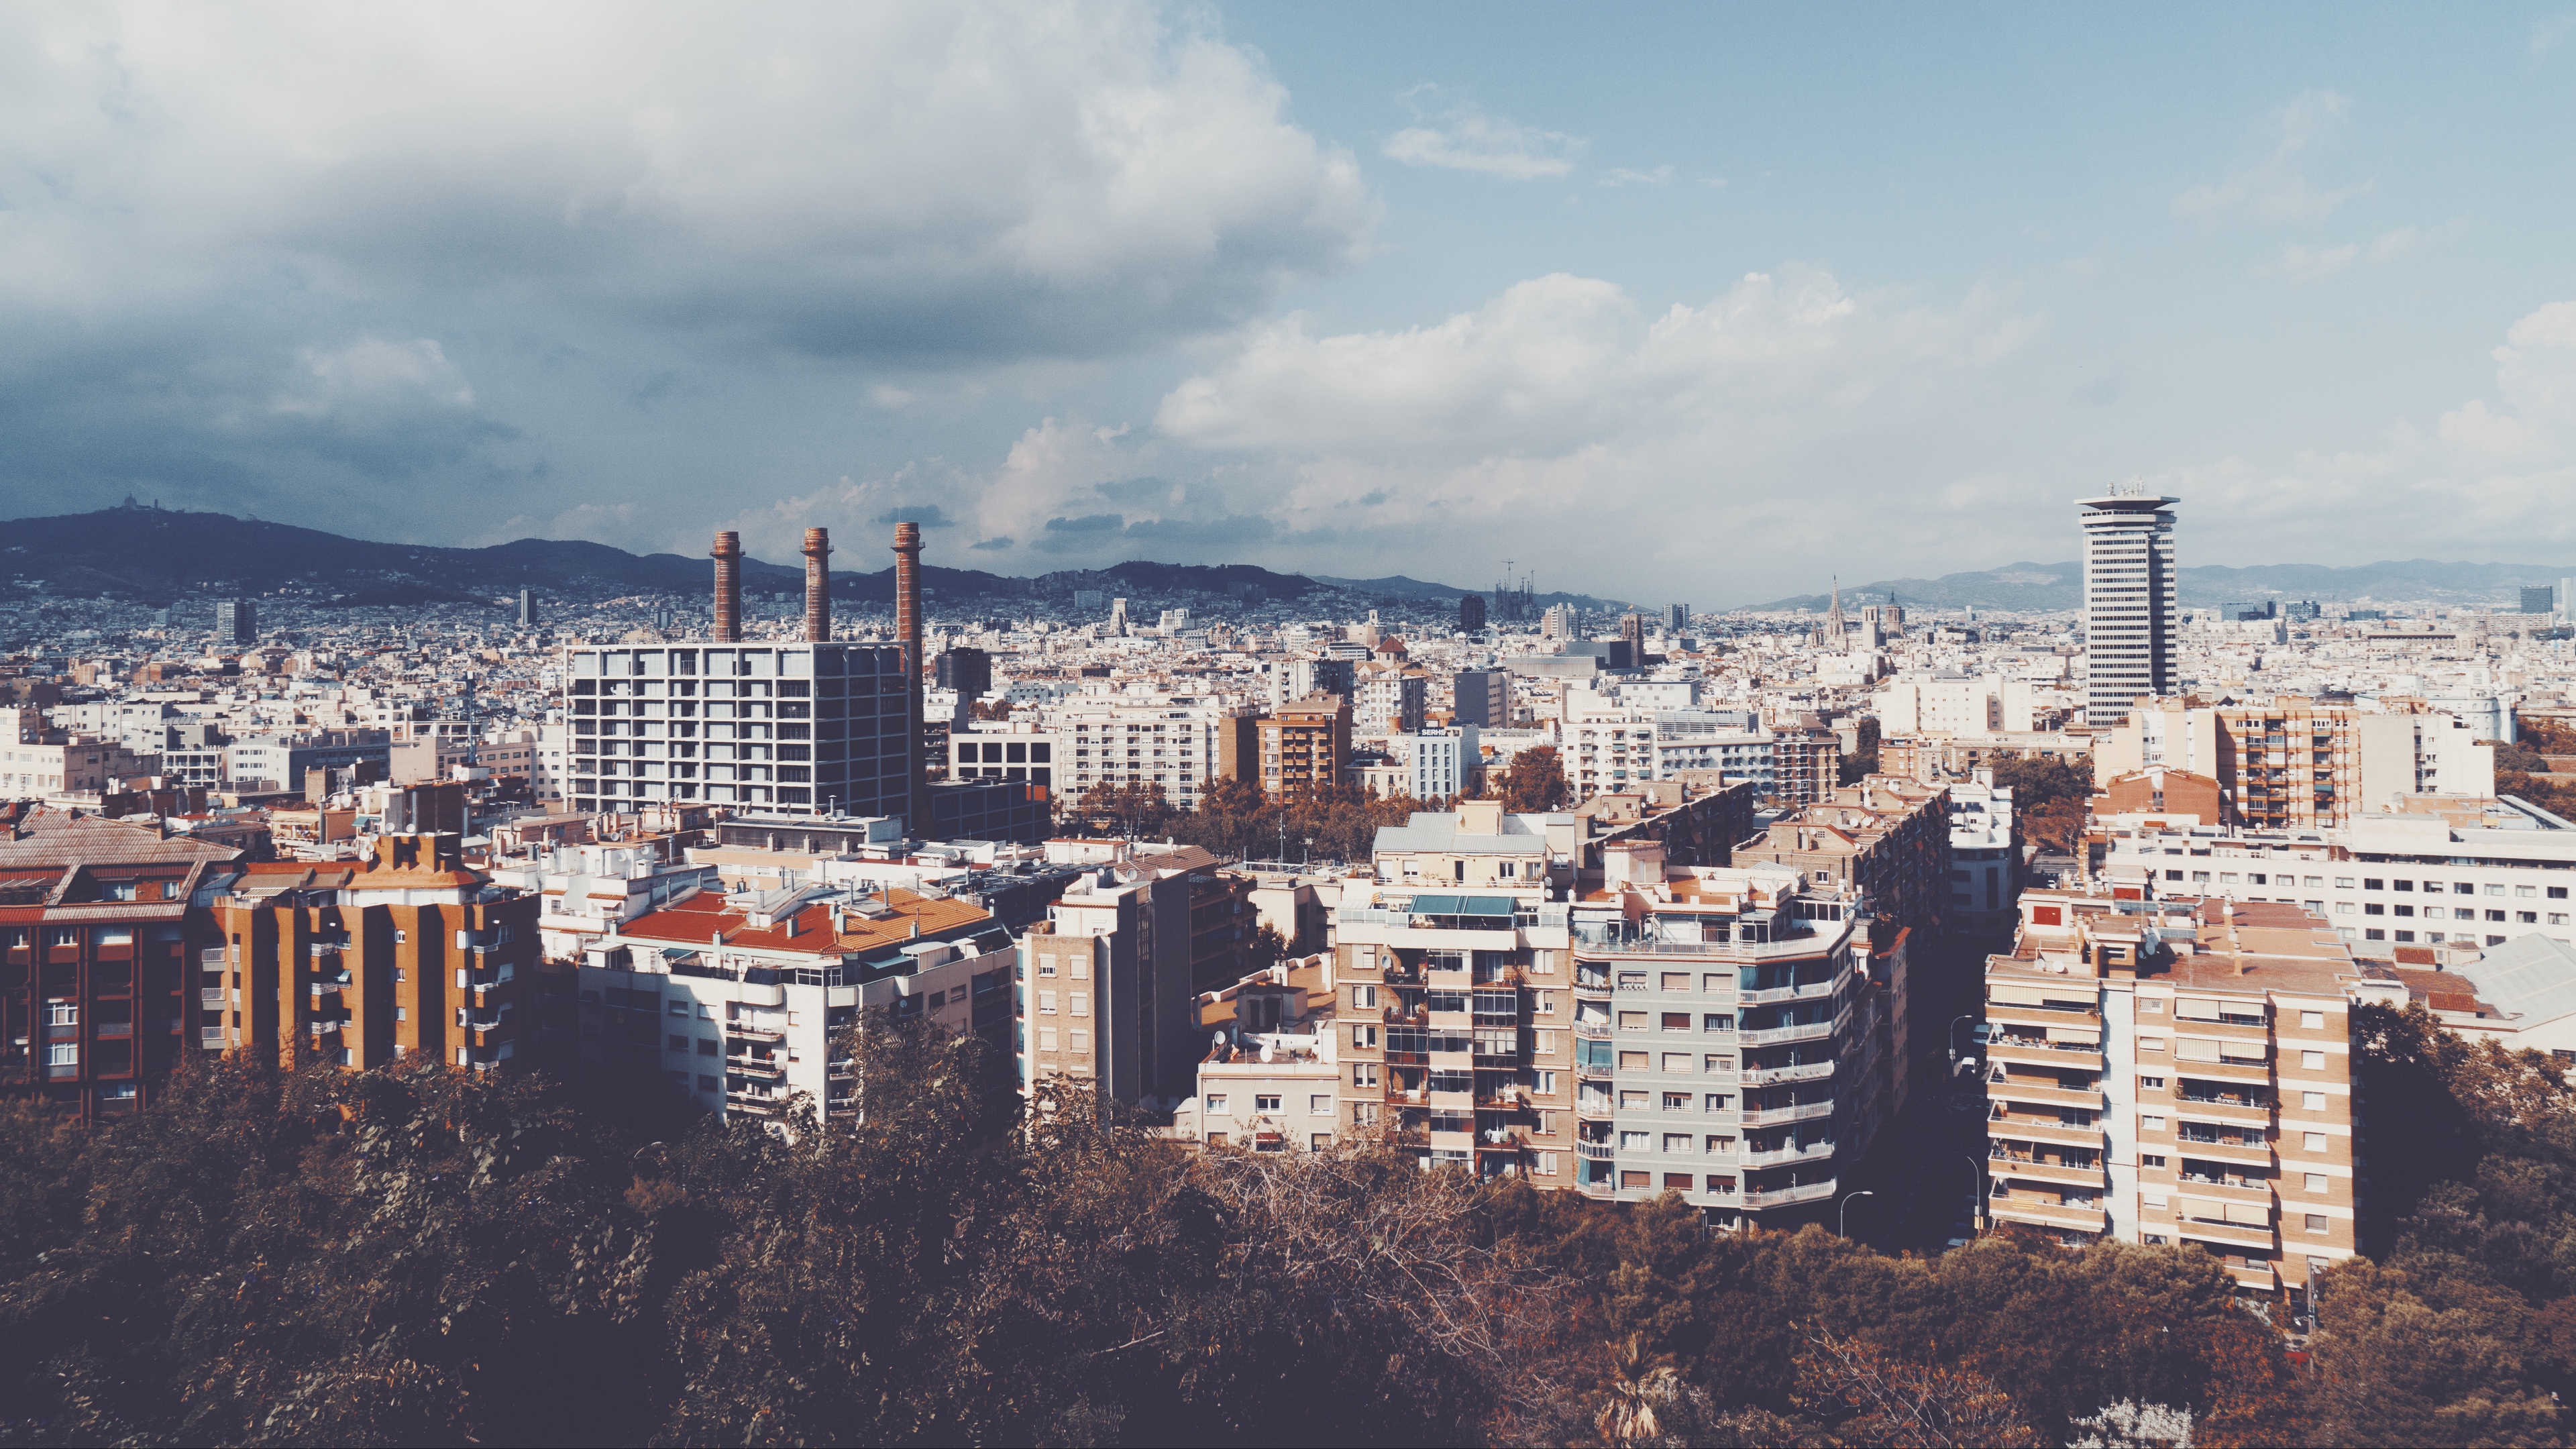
x=2545 y=34
x=1088 y=523
x=1001 y=544
x=1622 y=176
x=2309 y=264
x=2274 y=189
x=647 y=205
x=2301 y=264
x=1462 y=137
x=1560 y=362
x=928 y=515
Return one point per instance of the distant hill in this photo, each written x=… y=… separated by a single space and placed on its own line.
x=2031 y=587
x=154 y=555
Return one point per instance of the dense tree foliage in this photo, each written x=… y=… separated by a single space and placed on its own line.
x=1235 y=819
x=416 y=1256
x=1532 y=783
x=2523 y=769
x=2052 y=797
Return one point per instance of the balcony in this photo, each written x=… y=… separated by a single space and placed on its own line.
x=1812 y=1152
x=2256 y=1074
x=755 y=1103
x=1592 y=1071
x=2014 y=1013
x=210 y=996
x=754 y=1033
x=1596 y=1151
x=210 y=1037
x=1812 y=1031
x=2262 y=1280
x=2034 y=1129
x=1802 y=1072
x=2232 y=1235
x=1817 y=991
x=2234 y=1154
x=2047 y=1215
x=1789 y=1196
x=1591 y=1030
x=762 y=1067
x=2235 y=1110
x=2048 y=1055
x=2046 y=1094
x=2059 y=1174
x=1779 y=1116
x=1597 y=1109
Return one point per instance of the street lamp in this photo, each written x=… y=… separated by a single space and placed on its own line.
x=1954 y=1032
x=1977 y=1187
x=1842 y=1215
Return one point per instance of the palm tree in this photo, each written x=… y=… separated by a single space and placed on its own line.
x=1641 y=1385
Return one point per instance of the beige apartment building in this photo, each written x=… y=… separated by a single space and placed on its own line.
x=2296 y=764
x=1454 y=994
x=2178 y=1072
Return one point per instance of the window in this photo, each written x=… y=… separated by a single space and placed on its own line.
x=1636 y=1141
x=1716 y=1102
x=62 y=1054
x=1079 y=1001
x=2312 y=1061
x=2151 y=1043
x=1046 y=1003
x=709 y=1047
x=1677 y=1143
x=2312 y=1101
x=2316 y=1182
x=1632 y=1021
x=2343 y=882
x=2316 y=1222
x=1677 y=1062
x=2314 y=1141
x=2150 y=1159
x=1265 y=1102
x=1319 y=1104
x=1216 y=1102
x=2373 y=933
x=1364 y=1074
x=62 y=1013
x=2148 y=1123
x=1046 y=1038
x=2520 y=892
x=2312 y=1020
x=679 y=1008
x=706 y=1083
x=1677 y=1101
x=1046 y=966
x=679 y=1043
x=2374 y=908
x=2152 y=1006
x=2373 y=884
x=402 y=1013
x=2151 y=1084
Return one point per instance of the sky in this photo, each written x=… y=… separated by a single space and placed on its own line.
x=1694 y=303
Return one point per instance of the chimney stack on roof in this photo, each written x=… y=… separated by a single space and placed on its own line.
x=907 y=629
x=728 y=556
x=818 y=584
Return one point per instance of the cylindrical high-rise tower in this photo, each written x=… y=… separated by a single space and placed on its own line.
x=2130 y=613
x=907 y=631
x=728 y=556
x=818 y=584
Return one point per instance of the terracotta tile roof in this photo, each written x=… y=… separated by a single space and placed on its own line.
x=58 y=840
x=696 y=921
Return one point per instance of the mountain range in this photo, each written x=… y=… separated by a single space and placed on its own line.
x=154 y=555
x=2031 y=587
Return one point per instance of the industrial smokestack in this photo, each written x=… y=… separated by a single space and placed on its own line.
x=907 y=631
x=818 y=584
x=728 y=556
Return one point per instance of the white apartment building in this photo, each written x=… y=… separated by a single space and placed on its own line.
x=1389 y=704
x=2129 y=601
x=1435 y=764
x=1171 y=745
x=588 y=891
x=740 y=1000
x=84 y=764
x=795 y=728
x=1929 y=704
x=2450 y=875
x=1005 y=750
x=1985 y=855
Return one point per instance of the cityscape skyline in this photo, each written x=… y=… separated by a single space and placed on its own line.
x=1220 y=285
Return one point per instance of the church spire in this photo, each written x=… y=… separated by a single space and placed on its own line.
x=1835 y=628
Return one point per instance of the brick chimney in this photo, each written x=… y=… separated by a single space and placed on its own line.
x=728 y=556
x=818 y=584
x=907 y=630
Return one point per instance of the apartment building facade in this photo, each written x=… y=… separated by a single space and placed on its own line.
x=1731 y=1045
x=1298 y=748
x=408 y=953
x=2178 y=1074
x=812 y=728
x=2449 y=873
x=2130 y=618
x=77 y=764
x=1453 y=986
x=2296 y=764
x=1173 y=747
x=1106 y=989
x=1885 y=838
x=102 y=925
x=1390 y=703
x=739 y=1000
